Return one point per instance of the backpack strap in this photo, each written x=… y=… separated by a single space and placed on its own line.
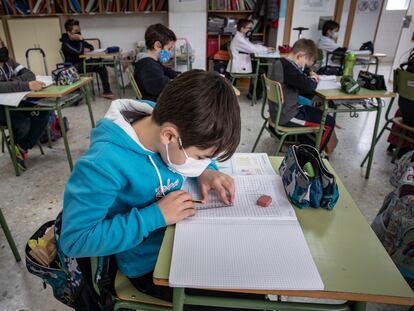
x=104 y=280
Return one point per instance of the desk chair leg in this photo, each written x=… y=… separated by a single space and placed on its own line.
x=258 y=137
x=9 y=237
x=233 y=80
x=64 y=135
x=178 y=299
x=115 y=64
x=121 y=76
x=376 y=141
x=280 y=144
x=254 y=95
x=398 y=147
x=322 y=125
x=3 y=140
x=12 y=146
x=86 y=94
x=40 y=148
x=374 y=136
x=49 y=137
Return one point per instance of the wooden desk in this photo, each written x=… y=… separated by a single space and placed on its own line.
x=352 y=262
x=102 y=59
x=55 y=99
x=336 y=94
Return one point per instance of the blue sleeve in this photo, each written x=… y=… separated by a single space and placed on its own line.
x=213 y=165
x=89 y=194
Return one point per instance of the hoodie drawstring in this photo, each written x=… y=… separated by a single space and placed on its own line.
x=158 y=173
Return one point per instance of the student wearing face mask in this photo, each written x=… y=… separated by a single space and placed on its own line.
x=328 y=40
x=126 y=188
x=289 y=72
x=150 y=73
x=241 y=48
x=74 y=45
x=28 y=126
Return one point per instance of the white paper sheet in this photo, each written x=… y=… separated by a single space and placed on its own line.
x=274 y=54
x=328 y=85
x=247 y=164
x=12 y=99
x=47 y=80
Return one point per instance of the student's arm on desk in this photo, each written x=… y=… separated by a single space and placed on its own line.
x=171 y=73
x=89 y=194
x=298 y=80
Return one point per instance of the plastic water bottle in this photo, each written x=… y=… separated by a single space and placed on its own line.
x=350 y=60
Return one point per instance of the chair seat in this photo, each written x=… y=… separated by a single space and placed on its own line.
x=299 y=129
x=127 y=292
x=242 y=75
x=399 y=122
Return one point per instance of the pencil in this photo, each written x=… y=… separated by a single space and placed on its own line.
x=199 y=201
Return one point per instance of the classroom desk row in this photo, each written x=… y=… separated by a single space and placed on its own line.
x=352 y=262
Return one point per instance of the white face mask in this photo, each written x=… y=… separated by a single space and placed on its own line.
x=335 y=35
x=191 y=167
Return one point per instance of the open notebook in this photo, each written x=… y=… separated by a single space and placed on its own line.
x=244 y=246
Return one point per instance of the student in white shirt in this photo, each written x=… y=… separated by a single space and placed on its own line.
x=327 y=43
x=241 y=48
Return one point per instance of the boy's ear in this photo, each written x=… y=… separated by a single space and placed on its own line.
x=168 y=134
x=157 y=45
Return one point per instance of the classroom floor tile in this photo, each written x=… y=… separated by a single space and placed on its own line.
x=36 y=196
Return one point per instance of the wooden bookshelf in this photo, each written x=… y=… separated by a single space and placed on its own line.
x=45 y=8
x=224 y=38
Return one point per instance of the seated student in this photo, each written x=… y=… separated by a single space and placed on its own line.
x=125 y=189
x=289 y=72
x=327 y=42
x=241 y=48
x=149 y=73
x=27 y=126
x=74 y=45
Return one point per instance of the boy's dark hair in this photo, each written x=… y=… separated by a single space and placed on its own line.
x=243 y=23
x=329 y=25
x=205 y=110
x=306 y=46
x=70 y=23
x=158 y=32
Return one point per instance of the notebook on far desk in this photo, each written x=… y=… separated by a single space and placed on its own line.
x=244 y=246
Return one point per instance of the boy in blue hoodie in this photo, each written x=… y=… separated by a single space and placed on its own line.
x=125 y=189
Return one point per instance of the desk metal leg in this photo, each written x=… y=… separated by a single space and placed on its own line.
x=359 y=306
x=121 y=76
x=322 y=125
x=374 y=137
x=86 y=94
x=9 y=237
x=178 y=299
x=64 y=135
x=254 y=99
x=11 y=138
x=115 y=64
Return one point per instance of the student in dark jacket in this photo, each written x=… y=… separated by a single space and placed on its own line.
x=27 y=126
x=289 y=72
x=74 y=45
x=150 y=74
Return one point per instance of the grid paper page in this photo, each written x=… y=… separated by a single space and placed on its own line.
x=265 y=254
x=248 y=190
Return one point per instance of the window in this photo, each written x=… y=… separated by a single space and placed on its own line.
x=393 y=5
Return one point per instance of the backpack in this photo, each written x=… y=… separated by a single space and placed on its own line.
x=405 y=104
x=71 y=278
x=54 y=128
x=394 y=223
x=367 y=46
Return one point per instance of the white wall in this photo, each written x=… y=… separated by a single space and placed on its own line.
x=119 y=30
x=405 y=43
x=389 y=32
x=364 y=26
x=189 y=19
x=306 y=15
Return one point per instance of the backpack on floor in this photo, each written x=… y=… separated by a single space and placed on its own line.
x=394 y=223
x=71 y=278
x=54 y=128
